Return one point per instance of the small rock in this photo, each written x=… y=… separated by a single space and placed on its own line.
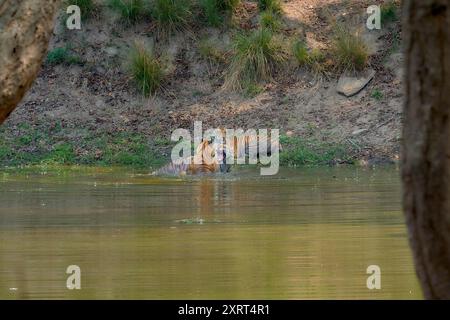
x=289 y=133
x=111 y=51
x=356 y=132
x=349 y=86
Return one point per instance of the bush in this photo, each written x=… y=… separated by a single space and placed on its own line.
x=130 y=10
x=350 y=50
x=171 y=15
x=86 y=6
x=255 y=58
x=146 y=69
x=272 y=5
x=377 y=95
x=388 y=12
x=61 y=55
x=210 y=51
x=270 y=20
x=313 y=59
x=300 y=52
x=228 y=4
x=211 y=12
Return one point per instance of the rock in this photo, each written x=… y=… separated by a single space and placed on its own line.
x=289 y=133
x=111 y=51
x=349 y=86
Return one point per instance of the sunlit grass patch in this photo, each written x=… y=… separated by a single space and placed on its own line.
x=256 y=56
x=349 y=49
x=171 y=15
x=270 y=20
x=314 y=59
x=147 y=70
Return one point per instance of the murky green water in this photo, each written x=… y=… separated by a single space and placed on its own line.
x=304 y=234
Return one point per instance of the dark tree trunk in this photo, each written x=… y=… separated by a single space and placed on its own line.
x=426 y=141
x=25 y=29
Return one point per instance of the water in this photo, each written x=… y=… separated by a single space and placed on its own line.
x=304 y=234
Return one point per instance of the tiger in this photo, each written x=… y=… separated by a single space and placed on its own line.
x=204 y=161
x=211 y=157
x=241 y=145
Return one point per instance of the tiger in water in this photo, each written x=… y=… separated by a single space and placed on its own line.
x=203 y=161
x=211 y=157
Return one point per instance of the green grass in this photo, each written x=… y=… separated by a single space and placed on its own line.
x=229 y=4
x=86 y=6
x=171 y=15
x=306 y=152
x=256 y=57
x=300 y=52
x=47 y=146
x=270 y=20
x=210 y=51
x=377 y=95
x=313 y=59
x=251 y=90
x=213 y=11
x=61 y=154
x=349 y=50
x=146 y=70
x=62 y=55
x=273 y=5
x=388 y=12
x=130 y=10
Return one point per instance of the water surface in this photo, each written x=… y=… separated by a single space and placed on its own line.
x=303 y=234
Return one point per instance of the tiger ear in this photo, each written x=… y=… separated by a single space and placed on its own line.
x=202 y=146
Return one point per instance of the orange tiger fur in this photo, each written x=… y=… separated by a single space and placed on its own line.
x=203 y=161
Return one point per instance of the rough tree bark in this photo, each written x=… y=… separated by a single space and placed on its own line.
x=426 y=141
x=25 y=29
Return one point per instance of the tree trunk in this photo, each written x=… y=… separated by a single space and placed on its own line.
x=25 y=29
x=426 y=141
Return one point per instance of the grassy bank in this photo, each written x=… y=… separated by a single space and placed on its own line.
x=27 y=145
x=310 y=152
x=30 y=146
